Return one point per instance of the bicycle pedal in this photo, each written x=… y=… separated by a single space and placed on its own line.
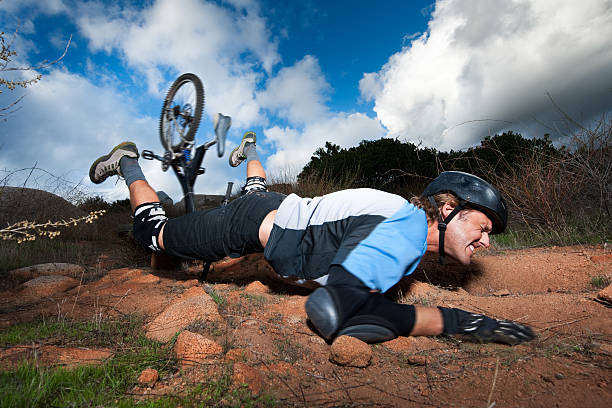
x=201 y=170
x=148 y=155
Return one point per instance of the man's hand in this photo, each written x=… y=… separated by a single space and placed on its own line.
x=484 y=328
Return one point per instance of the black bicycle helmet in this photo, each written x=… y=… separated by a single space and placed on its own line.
x=473 y=191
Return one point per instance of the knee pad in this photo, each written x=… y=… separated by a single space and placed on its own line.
x=149 y=218
x=254 y=184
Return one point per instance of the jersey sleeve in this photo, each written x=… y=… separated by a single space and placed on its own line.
x=392 y=250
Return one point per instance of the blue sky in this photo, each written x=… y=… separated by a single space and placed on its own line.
x=443 y=73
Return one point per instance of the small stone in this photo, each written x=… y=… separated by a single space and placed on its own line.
x=547 y=379
x=193 y=348
x=417 y=360
x=502 y=292
x=607 y=258
x=350 y=351
x=54 y=268
x=606 y=293
x=190 y=283
x=181 y=314
x=559 y=376
x=605 y=349
x=237 y=354
x=147 y=278
x=244 y=374
x=256 y=287
x=48 y=284
x=148 y=376
x=412 y=345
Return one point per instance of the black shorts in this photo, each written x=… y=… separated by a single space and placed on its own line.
x=232 y=230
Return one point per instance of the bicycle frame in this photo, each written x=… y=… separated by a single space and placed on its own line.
x=186 y=172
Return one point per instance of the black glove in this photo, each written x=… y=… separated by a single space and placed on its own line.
x=484 y=328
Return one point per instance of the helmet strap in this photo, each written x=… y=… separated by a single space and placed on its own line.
x=442 y=223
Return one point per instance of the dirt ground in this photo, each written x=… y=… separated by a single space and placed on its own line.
x=550 y=289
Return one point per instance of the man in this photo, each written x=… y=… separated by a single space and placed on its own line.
x=357 y=243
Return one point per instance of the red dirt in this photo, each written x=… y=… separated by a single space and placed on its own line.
x=275 y=351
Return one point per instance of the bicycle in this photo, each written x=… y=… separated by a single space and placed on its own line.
x=179 y=121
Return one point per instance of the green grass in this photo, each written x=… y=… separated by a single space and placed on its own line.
x=219 y=299
x=43 y=250
x=108 y=384
x=107 y=332
x=600 y=281
x=578 y=232
x=257 y=301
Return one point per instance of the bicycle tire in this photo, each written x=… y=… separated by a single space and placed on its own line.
x=166 y=132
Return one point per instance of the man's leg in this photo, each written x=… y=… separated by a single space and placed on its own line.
x=149 y=218
x=255 y=179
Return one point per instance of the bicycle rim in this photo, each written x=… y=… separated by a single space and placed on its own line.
x=181 y=113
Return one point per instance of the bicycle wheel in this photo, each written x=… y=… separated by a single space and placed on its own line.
x=181 y=113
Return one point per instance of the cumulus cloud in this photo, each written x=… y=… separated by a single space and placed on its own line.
x=294 y=147
x=487 y=66
x=226 y=46
x=298 y=95
x=66 y=122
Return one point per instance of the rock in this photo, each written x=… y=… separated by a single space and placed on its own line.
x=606 y=293
x=424 y=290
x=181 y=314
x=412 y=344
x=238 y=354
x=52 y=355
x=148 y=376
x=605 y=349
x=148 y=278
x=48 y=285
x=606 y=258
x=72 y=356
x=282 y=368
x=46 y=269
x=292 y=309
x=502 y=292
x=193 y=291
x=244 y=374
x=417 y=360
x=193 y=348
x=190 y=283
x=256 y=287
x=350 y=351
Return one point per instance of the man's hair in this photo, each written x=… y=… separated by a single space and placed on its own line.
x=431 y=211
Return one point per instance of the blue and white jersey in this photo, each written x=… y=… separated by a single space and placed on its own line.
x=377 y=236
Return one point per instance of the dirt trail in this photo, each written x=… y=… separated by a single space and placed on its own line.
x=265 y=325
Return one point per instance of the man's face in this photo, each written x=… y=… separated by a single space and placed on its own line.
x=467 y=231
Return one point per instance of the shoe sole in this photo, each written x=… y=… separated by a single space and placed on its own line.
x=92 y=169
x=236 y=162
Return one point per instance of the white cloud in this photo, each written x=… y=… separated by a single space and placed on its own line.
x=66 y=122
x=225 y=46
x=297 y=93
x=497 y=60
x=293 y=147
x=47 y=6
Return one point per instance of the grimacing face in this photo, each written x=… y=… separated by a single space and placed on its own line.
x=467 y=231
